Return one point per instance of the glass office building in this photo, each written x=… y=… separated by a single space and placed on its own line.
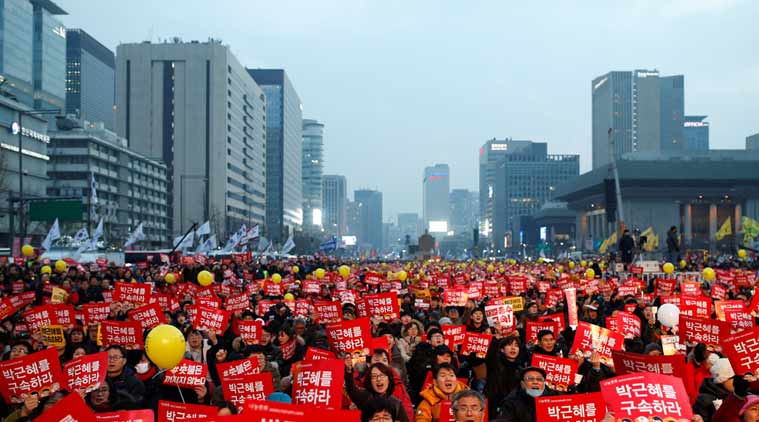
x=90 y=78
x=696 y=133
x=313 y=168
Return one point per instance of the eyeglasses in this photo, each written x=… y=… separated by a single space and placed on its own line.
x=379 y=376
x=538 y=379
x=467 y=409
x=114 y=358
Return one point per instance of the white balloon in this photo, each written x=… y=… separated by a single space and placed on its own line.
x=668 y=315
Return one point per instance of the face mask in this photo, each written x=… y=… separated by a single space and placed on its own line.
x=142 y=368
x=534 y=393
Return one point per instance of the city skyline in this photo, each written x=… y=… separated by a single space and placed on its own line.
x=357 y=91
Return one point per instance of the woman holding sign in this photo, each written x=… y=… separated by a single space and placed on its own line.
x=378 y=382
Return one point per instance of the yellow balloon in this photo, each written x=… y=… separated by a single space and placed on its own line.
x=46 y=269
x=571 y=265
x=583 y=264
x=296 y=270
x=491 y=268
x=540 y=260
x=319 y=273
x=170 y=278
x=344 y=271
x=589 y=273
x=709 y=274
x=276 y=278
x=668 y=268
x=742 y=253
x=560 y=268
x=402 y=275
x=165 y=346
x=60 y=265
x=683 y=264
x=27 y=250
x=289 y=296
x=205 y=278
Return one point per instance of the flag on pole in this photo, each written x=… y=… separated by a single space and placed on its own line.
x=185 y=243
x=81 y=236
x=328 y=245
x=207 y=246
x=52 y=235
x=204 y=229
x=249 y=235
x=93 y=188
x=135 y=237
x=725 y=230
x=288 y=246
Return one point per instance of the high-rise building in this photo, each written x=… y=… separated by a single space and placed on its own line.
x=334 y=204
x=435 y=187
x=526 y=178
x=752 y=142
x=313 y=168
x=131 y=188
x=369 y=203
x=90 y=78
x=284 y=139
x=643 y=110
x=193 y=106
x=696 y=133
x=464 y=210
x=490 y=153
x=408 y=225
x=33 y=53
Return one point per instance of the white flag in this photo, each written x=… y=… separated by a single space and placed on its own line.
x=251 y=234
x=93 y=188
x=207 y=246
x=135 y=237
x=288 y=246
x=204 y=229
x=263 y=244
x=81 y=235
x=53 y=235
x=183 y=244
x=93 y=243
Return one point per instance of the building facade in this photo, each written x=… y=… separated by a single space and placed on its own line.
x=409 y=225
x=752 y=142
x=284 y=139
x=369 y=203
x=313 y=169
x=640 y=110
x=193 y=106
x=526 y=178
x=90 y=78
x=436 y=184
x=131 y=188
x=464 y=210
x=696 y=133
x=334 y=204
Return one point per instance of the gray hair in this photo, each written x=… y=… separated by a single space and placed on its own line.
x=467 y=393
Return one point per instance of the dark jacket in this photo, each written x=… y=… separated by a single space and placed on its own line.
x=503 y=377
x=709 y=392
x=359 y=396
x=673 y=244
x=520 y=407
x=626 y=248
x=127 y=392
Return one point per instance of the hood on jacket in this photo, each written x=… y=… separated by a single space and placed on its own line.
x=434 y=395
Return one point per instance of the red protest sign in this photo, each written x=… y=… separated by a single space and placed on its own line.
x=383 y=305
x=210 y=319
x=36 y=373
x=560 y=372
x=272 y=289
x=690 y=288
x=148 y=316
x=454 y=335
x=142 y=415
x=696 y=306
x=40 y=316
x=629 y=324
x=349 y=336
x=319 y=383
x=701 y=330
x=722 y=306
x=646 y=395
x=590 y=338
x=314 y=353
x=456 y=296
x=188 y=374
x=71 y=408
x=169 y=411
x=211 y=302
x=238 y=367
x=739 y=320
x=517 y=285
x=532 y=328
x=251 y=331
x=126 y=333
x=64 y=314
x=555 y=318
x=629 y=363
x=96 y=312
x=132 y=293
x=236 y=303
x=329 y=312
x=86 y=373
x=571 y=295
x=589 y=407
x=477 y=344
x=743 y=351
x=267 y=411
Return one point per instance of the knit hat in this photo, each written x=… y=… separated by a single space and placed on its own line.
x=722 y=370
x=750 y=401
x=445 y=321
x=279 y=397
x=650 y=347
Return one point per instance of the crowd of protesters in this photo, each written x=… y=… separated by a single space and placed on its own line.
x=391 y=384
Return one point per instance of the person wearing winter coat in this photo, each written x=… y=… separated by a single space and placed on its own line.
x=378 y=382
x=444 y=387
x=715 y=390
x=519 y=405
x=504 y=362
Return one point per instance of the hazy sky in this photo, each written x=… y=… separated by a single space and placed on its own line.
x=404 y=84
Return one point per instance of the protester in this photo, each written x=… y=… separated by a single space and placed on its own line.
x=445 y=385
x=519 y=405
x=468 y=406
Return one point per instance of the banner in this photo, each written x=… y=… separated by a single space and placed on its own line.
x=187 y=373
x=629 y=324
x=743 y=351
x=701 y=330
x=86 y=373
x=646 y=395
x=739 y=320
x=132 y=293
x=516 y=302
x=454 y=335
x=71 y=408
x=590 y=338
x=476 y=343
x=210 y=319
x=328 y=312
x=350 y=337
x=589 y=407
x=690 y=288
x=148 y=316
x=722 y=306
x=532 y=328
x=251 y=331
x=64 y=314
x=142 y=415
x=38 y=373
x=246 y=388
x=696 y=306
x=383 y=305
x=319 y=383
x=169 y=411
x=236 y=303
x=555 y=318
x=126 y=333
x=238 y=368
x=38 y=317
x=560 y=372
x=571 y=295
x=630 y=363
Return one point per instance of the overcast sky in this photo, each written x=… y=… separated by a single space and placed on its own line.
x=404 y=84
